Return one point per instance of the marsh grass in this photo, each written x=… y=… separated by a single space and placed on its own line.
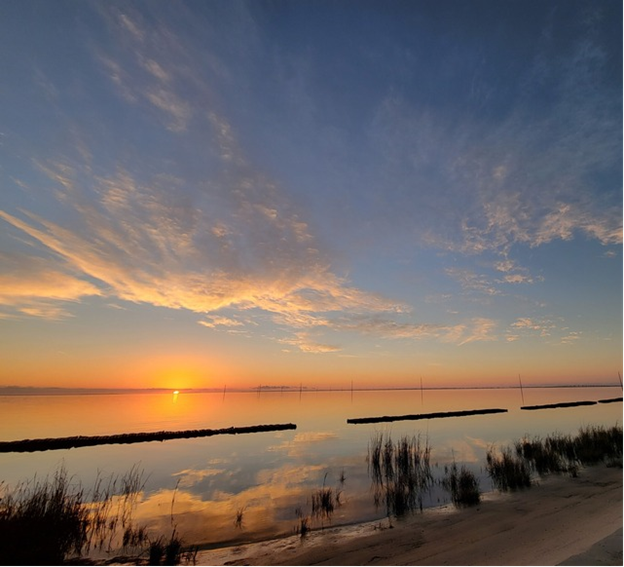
x=162 y=552
x=554 y=454
x=323 y=503
x=462 y=484
x=303 y=526
x=238 y=520
x=45 y=522
x=400 y=473
x=564 y=453
x=507 y=471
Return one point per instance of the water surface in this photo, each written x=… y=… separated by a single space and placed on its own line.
x=271 y=477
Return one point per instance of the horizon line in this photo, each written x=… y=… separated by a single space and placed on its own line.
x=64 y=390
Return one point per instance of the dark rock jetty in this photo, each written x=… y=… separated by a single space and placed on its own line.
x=560 y=405
x=30 y=445
x=417 y=416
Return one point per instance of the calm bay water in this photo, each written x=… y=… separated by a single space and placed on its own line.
x=269 y=476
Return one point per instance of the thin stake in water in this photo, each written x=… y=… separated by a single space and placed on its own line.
x=521 y=389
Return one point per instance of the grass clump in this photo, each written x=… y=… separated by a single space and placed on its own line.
x=564 y=453
x=165 y=553
x=508 y=471
x=45 y=522
x=554 y=454
x=462 y=484
x=324 y=501
x=400 y=472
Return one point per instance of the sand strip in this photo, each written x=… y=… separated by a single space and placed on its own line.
x=607 y=551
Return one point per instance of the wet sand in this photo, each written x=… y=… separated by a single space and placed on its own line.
x=562 y=520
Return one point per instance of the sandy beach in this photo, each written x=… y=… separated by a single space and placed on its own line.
x=560 y=521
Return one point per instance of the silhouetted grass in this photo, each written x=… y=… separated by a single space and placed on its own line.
x=462 y=484
x=323 y=503
x=564 y=453
x=303 y=527
x=44 y=522
x=162 y=552
x=400 y=472
x=238 y=521
x=554 y=454
x=325 y=500
x=508 y=471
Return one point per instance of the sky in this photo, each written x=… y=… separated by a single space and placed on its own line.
x=201 y=194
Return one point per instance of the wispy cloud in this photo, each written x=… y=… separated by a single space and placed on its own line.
x=527 y=176
x=305 y=342
x=545 y=328
x=472 y=282
x=36 y=287
x=218 y=321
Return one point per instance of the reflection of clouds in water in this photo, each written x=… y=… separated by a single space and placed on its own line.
x=465 y=450
x=300 y=443
x=269 y=506
x=191 y=477
x=290 y=475
x=269 y=498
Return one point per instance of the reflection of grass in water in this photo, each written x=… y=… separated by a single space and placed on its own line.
x=44 y=522
x=400 y=472
x=462 y=484
x=554 y=454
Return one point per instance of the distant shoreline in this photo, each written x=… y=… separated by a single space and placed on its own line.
x=58 y=391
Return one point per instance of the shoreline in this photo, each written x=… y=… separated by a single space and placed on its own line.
x=560 y=520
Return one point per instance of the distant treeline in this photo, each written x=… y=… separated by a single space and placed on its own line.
x=30 y=445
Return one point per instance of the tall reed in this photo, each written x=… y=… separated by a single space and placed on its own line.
x=400 y=472
x=45 y=522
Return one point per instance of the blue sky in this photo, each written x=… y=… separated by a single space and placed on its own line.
x=318 y=191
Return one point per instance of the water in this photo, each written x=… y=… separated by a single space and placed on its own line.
x=270 y=477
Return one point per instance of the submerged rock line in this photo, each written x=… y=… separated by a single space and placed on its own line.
x=560 y=405
x=435 y=415
x=31 y=445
